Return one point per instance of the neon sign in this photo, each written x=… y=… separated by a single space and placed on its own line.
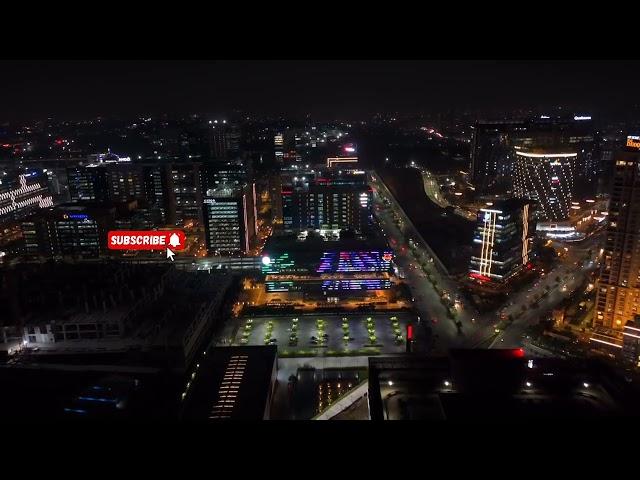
x=633 y=141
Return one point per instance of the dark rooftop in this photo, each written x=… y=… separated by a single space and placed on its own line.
x=495 y=384
x=232 y=383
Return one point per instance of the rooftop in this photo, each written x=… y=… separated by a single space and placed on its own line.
x=494 y=384
x=232 y=383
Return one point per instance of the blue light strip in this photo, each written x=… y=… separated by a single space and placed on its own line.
x=75 y=410
x=98 y=399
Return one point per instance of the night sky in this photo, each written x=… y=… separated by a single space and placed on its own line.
x=329 y=89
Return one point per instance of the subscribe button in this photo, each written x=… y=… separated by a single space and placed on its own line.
x=145 y=240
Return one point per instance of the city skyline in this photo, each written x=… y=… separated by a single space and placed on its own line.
x=450 y=255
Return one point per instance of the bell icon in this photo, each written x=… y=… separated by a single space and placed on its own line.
x=174 y=240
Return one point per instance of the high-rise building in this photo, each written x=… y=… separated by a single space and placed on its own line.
x=184 y=191
x=125 y=182
x=68 y=230
x=215 y=174
x=278 y=146
x=224 y=139
x=328 y=204
x=503 y=240
x=618 y=285
x=88 y=184
x=493 y=152
x=23 y=194
x=547 y=177
x=155 y=187
x=230 y=219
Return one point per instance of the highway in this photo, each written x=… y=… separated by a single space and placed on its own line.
x=478 y=331
x=445 y=333
x=572 y=276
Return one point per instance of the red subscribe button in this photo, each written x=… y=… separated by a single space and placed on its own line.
x=145 y=240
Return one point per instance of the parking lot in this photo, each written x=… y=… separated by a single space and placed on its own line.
x=320 y=334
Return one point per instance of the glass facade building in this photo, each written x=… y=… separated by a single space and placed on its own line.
x=502 y=243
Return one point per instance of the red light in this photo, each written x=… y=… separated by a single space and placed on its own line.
x=518 y=353
x=477 y=276
x=409 y=332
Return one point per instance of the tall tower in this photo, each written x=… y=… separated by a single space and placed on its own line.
x=503 y=240
x=547 y=177
x=618 y=287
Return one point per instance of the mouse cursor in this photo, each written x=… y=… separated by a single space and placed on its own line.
x=170 y=254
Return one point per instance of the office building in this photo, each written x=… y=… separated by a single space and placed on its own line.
x=156 y=191
x=618 y=285
x=184 y=193
x=337 y=268
x=215 y=174
x=278 y=147
x=547 y=177
x=492 y=154
x=88 y=184
x=230 y=219
x=224 y=140
x=125 y=182
x=22 y=194
x=494 y=147
x=68 y=230
x=503 y=239
x=326 y=203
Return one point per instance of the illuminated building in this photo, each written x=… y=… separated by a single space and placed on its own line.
x=125 y=182
x=322 y=267
x=328 y=204
x=155 y=181
x=341 y=161
x=278 y=144
x=230 y=219
x=68 y=230
x=25 y=194
x=492 y=153
x=548 y=178
x=224 y=139
x=100 y=183
x=502 y=243
x=184 y=191
x=494 y=147
x=215 y=174
x=618 y=286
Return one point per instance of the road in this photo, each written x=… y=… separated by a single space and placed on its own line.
x=427 y=300
x=477 y=330
x=572 y=276
x=433 y=191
